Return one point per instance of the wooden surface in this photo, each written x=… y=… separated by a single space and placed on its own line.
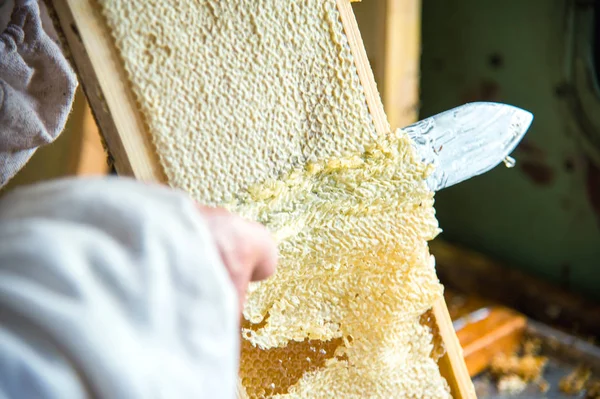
x=468 y=271
x=500 y=331
x=484 y=329
x=401 y=58
x=391 y=31
x=104 y=81
x=88 y=156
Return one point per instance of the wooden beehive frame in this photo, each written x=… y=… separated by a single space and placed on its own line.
x=104 y=80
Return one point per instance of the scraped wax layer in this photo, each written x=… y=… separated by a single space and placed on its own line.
x=342 y=317
x=236 y=92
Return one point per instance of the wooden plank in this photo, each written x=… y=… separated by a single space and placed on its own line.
x=391 y=30
x=401 y=61
x=105 y=83
x=500 y=331
x=89 y=156
x=484 y=329
x=452 y=364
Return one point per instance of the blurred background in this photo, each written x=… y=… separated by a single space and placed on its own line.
x=520 y=246
x=543 y=216
x=541 y=55
x=78 y=151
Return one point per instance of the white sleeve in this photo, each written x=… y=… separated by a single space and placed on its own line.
x=111 y=288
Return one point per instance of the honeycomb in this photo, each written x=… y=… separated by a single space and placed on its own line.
x=269 y=372
x=257 y=106
x=346 y=314
x=237 y=92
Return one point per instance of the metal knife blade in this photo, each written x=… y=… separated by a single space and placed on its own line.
x=468 y=140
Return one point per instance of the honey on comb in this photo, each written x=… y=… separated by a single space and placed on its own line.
x=354 y=262
x=273 y=371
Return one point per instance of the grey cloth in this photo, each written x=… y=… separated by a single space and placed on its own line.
x=108 y=288
x=113 y=289
x=37 y=87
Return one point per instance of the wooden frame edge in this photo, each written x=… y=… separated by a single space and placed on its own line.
x=133 y=154
x=365 y=73
x=452 y=364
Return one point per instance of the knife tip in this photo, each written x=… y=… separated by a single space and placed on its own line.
x=521 y=118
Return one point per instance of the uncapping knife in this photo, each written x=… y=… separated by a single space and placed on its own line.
x=468 y=140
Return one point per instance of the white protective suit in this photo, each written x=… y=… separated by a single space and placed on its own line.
x=109 y=288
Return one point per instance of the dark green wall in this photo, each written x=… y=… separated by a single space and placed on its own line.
x=543 y=216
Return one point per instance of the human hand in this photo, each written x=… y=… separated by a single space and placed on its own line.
x=247 y=249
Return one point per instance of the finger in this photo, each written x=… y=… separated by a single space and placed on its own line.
x=247 y=248
x=266 y=254
x=262 y=254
